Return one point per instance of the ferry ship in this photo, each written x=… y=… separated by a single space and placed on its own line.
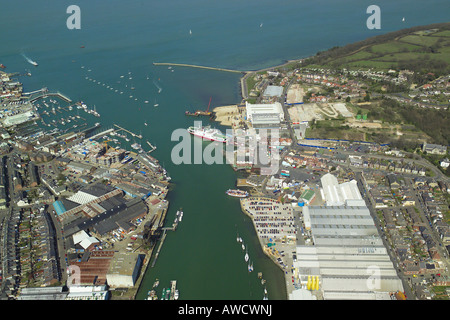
x=237 y=193
x=208 y=133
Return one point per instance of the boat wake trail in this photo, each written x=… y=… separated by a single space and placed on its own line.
x=158 y=86
x=34 y=63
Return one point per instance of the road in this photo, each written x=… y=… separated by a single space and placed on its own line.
x=363 y=190
x=12 y=195
x=425 y=218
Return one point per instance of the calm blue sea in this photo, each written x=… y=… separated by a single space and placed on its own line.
x=124 y=38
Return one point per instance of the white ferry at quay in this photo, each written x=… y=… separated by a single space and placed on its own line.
x=208 y=133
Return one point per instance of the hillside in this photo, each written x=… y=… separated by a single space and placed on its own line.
x=421 y=49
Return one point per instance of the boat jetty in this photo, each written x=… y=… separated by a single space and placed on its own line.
x=171 y=293
x=178 y=218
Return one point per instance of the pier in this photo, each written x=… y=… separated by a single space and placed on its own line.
x=195 y=66
x=46 y=94
x=164 y=229
x=173 y=287
x=151 y=146
x=159 y=247
x=36 y=91
x=133 y=134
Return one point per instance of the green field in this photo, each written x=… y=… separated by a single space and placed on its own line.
x=426 y=50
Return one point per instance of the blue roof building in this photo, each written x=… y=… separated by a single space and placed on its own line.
x=59 y=207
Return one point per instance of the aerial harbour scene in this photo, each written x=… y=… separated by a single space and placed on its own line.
x=225 y=151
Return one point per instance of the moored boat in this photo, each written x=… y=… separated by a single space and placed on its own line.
x=208 y=133
x=237 y=193
x=152 y=295
x=167 y=294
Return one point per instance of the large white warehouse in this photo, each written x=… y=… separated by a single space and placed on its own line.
x=347 y=255
x=265 y=115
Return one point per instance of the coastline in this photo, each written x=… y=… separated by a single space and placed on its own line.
x=263 y=247
x=148 y=258
x=229 y=116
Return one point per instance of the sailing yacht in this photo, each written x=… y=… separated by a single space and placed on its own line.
x=246 y=256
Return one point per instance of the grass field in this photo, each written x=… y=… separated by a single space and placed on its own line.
x=427 y=45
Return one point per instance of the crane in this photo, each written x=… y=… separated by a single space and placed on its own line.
x=200 y=112
x=105 y=142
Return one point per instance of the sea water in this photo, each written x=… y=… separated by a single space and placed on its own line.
x=117 y=45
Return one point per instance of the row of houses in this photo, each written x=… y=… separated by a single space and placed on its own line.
x=29 y=252
x=387 y=165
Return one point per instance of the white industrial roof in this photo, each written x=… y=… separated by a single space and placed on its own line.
x=85 y=243
x=79 y=236
x=273 y=91
x=336 y=194
x=83 y=239
x=347 y=252
x=301 y=294
x=339 y=295
x=266 y=108
x=82 y=197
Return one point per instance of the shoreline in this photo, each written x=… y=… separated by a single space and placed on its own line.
x=262 y=246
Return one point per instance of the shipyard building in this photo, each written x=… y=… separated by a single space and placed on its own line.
x=346 y=258
x=267 y=115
